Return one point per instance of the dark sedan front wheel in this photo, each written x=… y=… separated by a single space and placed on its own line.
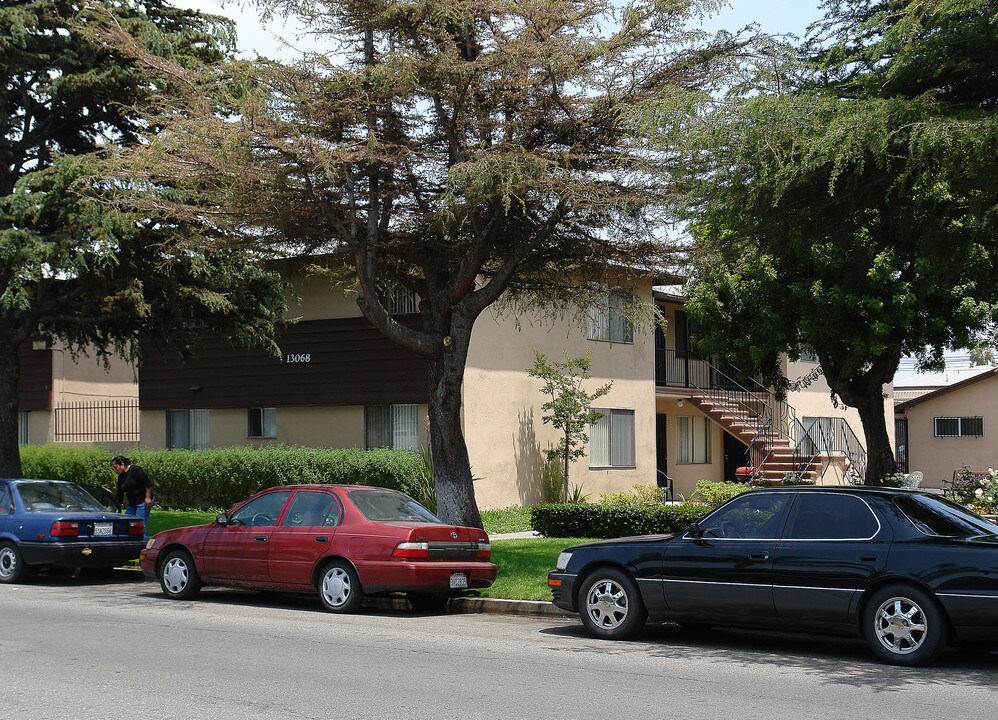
x=610 y=604
x=178 y=577
x=904 y=626
x=12 y=567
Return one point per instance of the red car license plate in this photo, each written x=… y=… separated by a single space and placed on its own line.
x=458 y=580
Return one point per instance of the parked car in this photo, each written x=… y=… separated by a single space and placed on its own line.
x=58 y=524
x=907 y=570
x=343 y=541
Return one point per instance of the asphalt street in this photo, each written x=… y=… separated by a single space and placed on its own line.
x=117 y=650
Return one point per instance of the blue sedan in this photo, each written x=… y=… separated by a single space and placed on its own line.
x=57 y=524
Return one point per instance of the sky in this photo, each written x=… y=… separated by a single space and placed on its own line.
x=273 y=39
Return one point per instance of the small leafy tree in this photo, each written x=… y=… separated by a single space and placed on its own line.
x=570 y=407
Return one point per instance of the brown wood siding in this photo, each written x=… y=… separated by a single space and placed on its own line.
x=35 y=386
x=348 y=363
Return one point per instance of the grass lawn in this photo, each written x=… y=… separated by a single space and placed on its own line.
x=523 y=563
x=523 y=567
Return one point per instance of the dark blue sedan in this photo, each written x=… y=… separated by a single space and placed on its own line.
x=907 y=571
x=57 y=524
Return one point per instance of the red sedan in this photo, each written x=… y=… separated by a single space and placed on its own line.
x=344 y=541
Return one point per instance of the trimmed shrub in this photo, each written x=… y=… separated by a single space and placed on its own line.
x=608 y=521
x=713 y=494
x=219 y=478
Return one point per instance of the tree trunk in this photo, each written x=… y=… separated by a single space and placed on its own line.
x=866 y=394
x=451 y=465
x=880 y=460
x=10 y=455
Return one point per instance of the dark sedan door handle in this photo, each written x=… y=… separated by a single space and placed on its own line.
x=261 y=538
x=759 y=556
x=322 y=539
x=868 y=558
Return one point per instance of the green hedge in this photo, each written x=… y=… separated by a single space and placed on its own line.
x=219 y=478
x=608 y=521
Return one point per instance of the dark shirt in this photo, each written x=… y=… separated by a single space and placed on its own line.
x=132 y=486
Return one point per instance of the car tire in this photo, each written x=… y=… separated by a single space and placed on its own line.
x=428 y=603
x=12 y=567
x=904 y=625
x=178 y=576
x=339 y=588
x=610 y=605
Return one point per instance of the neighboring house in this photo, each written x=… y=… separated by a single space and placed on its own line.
x=75 y=400
x=943 y=420
x=340 y=383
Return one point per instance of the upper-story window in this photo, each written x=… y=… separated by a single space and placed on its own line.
x=808 y=355
x=959 y=426
x=400 y=301
x=607 y=320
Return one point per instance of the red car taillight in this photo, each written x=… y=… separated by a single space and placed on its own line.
x=136 y=527
x=61 y=528
x=484 y=551
x=412 y=550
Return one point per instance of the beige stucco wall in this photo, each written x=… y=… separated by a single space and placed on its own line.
x=333 y=426
x=685 y=476
x=503 y=422
x=938 y=457
x=86 y=379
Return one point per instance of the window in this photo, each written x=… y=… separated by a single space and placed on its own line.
x=312 y=509
x=750 y=516
x=692 y=440
x=959 y=426
x=187 y=429
x=5 y=504
x=23 y=427
x=391 y=426
x=808 y=355
x=606 y=318
x=611 y=439
x=827 y=516
x=261 y=511
x=400 y=301
x=381 y=505
x=261 y=423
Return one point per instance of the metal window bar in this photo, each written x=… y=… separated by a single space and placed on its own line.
x=97 y=421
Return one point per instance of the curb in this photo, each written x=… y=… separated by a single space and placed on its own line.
x=462 y=605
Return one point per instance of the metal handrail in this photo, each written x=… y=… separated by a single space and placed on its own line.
x=830 y=435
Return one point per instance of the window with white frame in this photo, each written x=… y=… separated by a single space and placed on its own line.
x=611 y=439
x=23 y=427
x=959 y=426
x=187 y=430
x=692 y=440
x=607 y=320
x=261 y=422
x=391 y=426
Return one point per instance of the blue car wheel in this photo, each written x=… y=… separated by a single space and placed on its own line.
x=12 y=567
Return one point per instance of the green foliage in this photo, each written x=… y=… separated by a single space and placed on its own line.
x=219 y=478
x=515 y=518
x=640 y=496
x=569 y=408
x=848 y=202
x=712 y=494
x=78 y=261
x=607 y=521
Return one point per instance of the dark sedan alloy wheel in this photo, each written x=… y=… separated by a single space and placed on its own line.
x=12 y=567
x=904 y=626
x=178 y=577
x=610 y=606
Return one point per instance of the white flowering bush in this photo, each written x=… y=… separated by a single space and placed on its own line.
x=978 y=490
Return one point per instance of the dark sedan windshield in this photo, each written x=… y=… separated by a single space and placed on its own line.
x=390 y=506
x=45 y=496
x=942 y=517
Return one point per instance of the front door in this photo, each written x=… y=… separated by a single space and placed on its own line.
x=237 y=552
x=729 y=570
x=734 y=457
